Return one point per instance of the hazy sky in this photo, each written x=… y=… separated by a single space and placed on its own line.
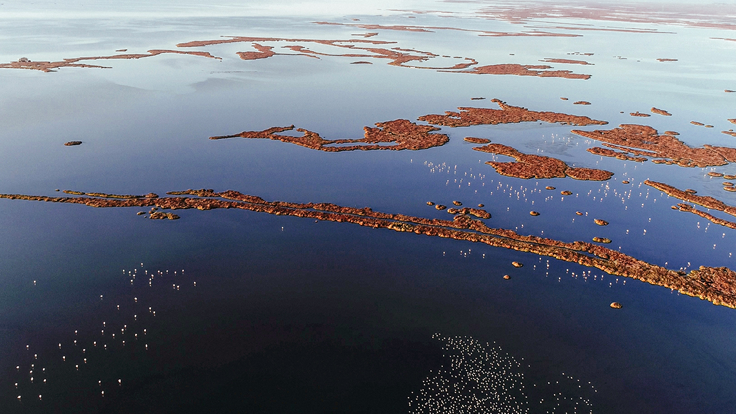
x=98 y=8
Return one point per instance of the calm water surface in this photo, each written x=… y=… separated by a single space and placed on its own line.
x=235 y=311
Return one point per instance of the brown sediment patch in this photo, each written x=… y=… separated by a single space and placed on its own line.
x=643 y=140
x=637 y=113
x=667 y=60
x=105 y=195
x=697 y=123
x=263 y=52
x=404 y=134
x=371 y=34
x=581 y=103
x=694 y=14
x=474 y=140
x=157 y=215
x=367 y=48
x=606 y=152
x=378 y=26
x=73 y=143
x=601 y=29
x=46 y=66
x=565 y=61
x=563 y=98
x=541 y=71
x=660 y=112
x=717 y=285
x=506 y=115
x=537 y=166
x=361 y=62
x=713 y=219
x=705 y=201
x=430 y=29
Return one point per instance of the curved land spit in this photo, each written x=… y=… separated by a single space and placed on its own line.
x=644 y=141
x=705 y=201
x=717 y=285
x=74 y=62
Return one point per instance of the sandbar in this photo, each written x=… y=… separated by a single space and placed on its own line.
x=660 y=112
x=606 y=152
x=46 y=66
x=474 y=140
x=714 y=284
x=644 y=141
x=506 y=115
x=524 y=70
x=537 y=166
x=705 y=201
x=404 y=134
x=565 y=61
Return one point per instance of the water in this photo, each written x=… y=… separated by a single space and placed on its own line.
x=293 y=315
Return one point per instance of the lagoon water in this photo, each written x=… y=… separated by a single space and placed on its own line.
x=238 y=311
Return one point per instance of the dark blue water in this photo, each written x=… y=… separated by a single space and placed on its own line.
x=264 y=314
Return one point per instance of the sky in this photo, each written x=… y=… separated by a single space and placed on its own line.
x=136 y=8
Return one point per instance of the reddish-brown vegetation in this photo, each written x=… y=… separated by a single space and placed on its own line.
x=717 y=285
x=660 y=112
x=474 y=140
x=644 y=141
x=565 y=61
x=405 y=135
x=541 y=71
x=46 y=66
x=506 y=115
x=606 y=152
x=537 y=166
